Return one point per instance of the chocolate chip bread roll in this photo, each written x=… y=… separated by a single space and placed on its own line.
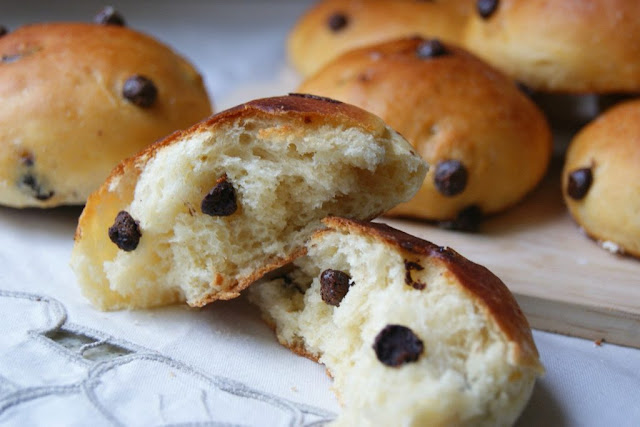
x=202 y=214
x=487 y=143
x=413 y=334
x=567 y=46
x=601 y=179
x=332 y=27
x=79 y=98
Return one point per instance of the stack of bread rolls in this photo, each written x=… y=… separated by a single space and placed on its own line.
x=494 y=144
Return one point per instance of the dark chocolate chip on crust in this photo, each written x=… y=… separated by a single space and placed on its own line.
x=468 y=219
x=3 y=30
x=33 y=186
x=334 y=285
x=431 y=49
x=410 y=266
x=316 y=97
x=579 y=182
x=397 y=345
x=125 y=232
x=338 y=21
x=221 y=200
x=450 y=178
x=109 y=16
x=486 y=7
x=140 y=91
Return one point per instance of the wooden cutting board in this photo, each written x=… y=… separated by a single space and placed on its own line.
x=563 y=281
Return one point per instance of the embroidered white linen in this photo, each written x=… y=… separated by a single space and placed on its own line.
x=63 y=363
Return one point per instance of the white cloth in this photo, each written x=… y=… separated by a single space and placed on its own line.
x=64 y=363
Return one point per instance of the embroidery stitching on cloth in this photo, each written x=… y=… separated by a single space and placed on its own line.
x=143 y=372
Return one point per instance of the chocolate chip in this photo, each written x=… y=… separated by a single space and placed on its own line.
x=3 y=30
x=410 y=266
x=338 y=21
x=431 y=49
x=334 y=285
x=140 y=91
x=450 y=178
x=316 y=97
x=396 y=345
x=486 y=7
x=468 y=219
x=34 y=187
x=580 y=181
x=221 y=200
x=109 y=16
x=125 y=232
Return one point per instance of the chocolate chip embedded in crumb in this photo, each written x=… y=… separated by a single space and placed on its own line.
x=338 y=21
x=125 y=232
x=3 y=30
x=396 y=345
x=580 y=181
x=431 y=49
x=221 y=200
x=334 y=285
x=450 y=178
x=410 y=266
x=486 y=7
x=140 y=91
x=109 y=16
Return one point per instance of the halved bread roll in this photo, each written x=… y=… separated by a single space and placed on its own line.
x=204 y=213
x=412 y=333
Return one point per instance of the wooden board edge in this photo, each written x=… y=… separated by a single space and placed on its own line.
x=594 y=323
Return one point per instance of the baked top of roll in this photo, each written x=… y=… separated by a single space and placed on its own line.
x=201 y=215
x=77 y=99
x=332 y=27
x=412 y=333
x=601 y=178
x=571 y=46
x=488 y=144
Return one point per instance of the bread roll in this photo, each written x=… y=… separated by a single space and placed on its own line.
x=568 y=46
x=332 y=27
x=487 y=143
x=77 y=99
x=413 y=334
x=601 y=179
x=202 y=214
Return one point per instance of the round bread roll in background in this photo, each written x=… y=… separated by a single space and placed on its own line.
x=572 y=46
x=332 y=27
x=77 y=99
x=601 y=179
x=487 y=143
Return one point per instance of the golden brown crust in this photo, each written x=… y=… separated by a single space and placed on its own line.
x=63 y=107
x=610 y=148
x=312 y=42
x=571 y=46
x=488 y=291
x=448 y=107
